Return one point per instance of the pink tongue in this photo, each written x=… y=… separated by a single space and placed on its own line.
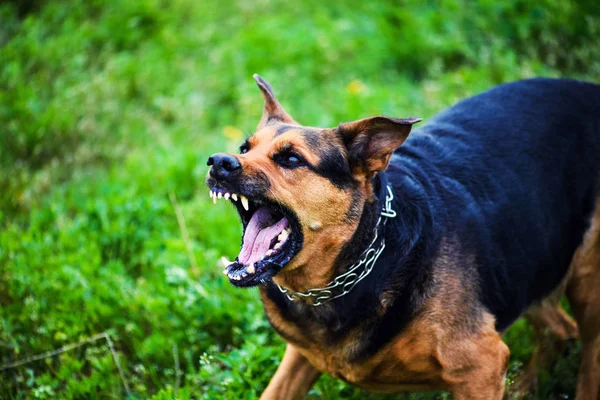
x=259 y=235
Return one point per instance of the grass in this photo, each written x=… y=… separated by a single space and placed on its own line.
x=108 y=111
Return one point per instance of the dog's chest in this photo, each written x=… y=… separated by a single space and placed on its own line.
x=395 y=368
x=407 y=362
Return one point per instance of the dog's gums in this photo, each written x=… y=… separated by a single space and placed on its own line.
x=271 y=238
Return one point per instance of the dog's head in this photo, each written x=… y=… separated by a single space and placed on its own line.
x=300 y=191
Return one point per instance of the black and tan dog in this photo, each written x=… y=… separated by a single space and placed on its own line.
x=395 y=262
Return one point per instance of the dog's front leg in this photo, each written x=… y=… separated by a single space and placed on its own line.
x=293 y=379
x=474 y=365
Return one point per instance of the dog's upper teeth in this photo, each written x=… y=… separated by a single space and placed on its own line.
x=227 y=196
x=220 y=195
x=234 y=197
x=244 y=201
x=211 y=194
x=225 y=261
x=214 y=197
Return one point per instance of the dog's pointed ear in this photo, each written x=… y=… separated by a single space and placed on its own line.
x=371 y=141
x=273 y=111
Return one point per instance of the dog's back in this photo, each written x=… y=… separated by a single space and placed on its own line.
x=517 y=173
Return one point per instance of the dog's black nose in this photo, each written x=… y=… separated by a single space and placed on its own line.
x=223 y=166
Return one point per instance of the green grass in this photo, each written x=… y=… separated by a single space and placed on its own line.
x=107 y=107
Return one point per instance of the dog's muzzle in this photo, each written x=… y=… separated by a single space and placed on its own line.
x=224 y=166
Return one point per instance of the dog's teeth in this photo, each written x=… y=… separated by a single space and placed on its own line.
x=244 y=201
x=225 y=271
x=211 y=194
x=269 y=252
x=215 y=198
x=225 y=261
x=234 y=197
x=220 y=195
x=283 y=235
x=250 y=269
x=227 y=196
x=277 y=245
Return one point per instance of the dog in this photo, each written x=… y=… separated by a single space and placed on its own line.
x=395 y=262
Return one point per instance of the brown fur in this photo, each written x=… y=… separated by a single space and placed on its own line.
x=452 y=342
x=552 y=328
x=583 y=292
x=436 y=351
x=315 y=199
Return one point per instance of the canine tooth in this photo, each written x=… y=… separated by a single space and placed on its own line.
x=250 y=269
x=234 y=197
x=220 y=195
x=226 y=196
x=244 y=201
x=226 y=262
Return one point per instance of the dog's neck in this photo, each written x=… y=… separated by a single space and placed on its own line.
x=363 y=235
x=316 y=276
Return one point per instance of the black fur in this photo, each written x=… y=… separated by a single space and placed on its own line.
x=510 y=177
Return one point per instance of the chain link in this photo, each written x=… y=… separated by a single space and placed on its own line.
x=356 y=272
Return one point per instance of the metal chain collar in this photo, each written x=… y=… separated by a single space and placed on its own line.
x=356 y=272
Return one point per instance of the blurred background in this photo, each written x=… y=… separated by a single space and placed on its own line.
x=109 y=243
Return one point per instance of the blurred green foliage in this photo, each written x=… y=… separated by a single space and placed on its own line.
x=106 y=107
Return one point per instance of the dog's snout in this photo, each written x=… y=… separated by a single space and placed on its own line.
x=223 y=166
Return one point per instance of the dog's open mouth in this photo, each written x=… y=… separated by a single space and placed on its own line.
x=271 y=238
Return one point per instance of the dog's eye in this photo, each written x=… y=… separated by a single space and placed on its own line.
x=243 y=149
x=289 y=160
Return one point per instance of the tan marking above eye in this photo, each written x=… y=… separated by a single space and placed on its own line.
x=266 y=142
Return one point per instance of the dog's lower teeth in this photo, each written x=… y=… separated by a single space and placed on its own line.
x=250 y=269
x=234 y=197
x=283 y=235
